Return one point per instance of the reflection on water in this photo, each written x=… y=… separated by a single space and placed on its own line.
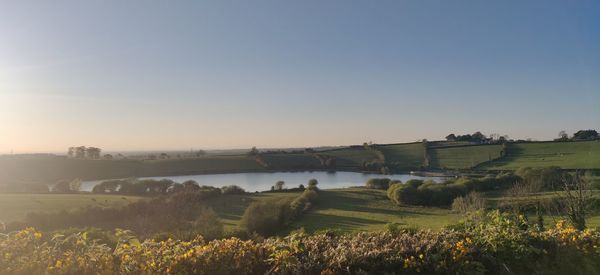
x=263 y=181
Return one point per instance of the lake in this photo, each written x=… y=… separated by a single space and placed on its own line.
x=252 y=182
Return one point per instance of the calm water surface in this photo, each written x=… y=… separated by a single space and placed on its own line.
x=263 y=181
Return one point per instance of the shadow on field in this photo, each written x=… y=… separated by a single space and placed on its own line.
x=342 y=223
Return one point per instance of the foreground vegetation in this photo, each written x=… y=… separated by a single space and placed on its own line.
x=485 y=243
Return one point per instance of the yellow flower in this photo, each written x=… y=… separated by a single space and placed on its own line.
x=421 y=256
x=58 y=264
x=37 y=235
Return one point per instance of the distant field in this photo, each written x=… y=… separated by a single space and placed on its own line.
x=463 y=157
x=51 y=169
x=14 y=207
x=404 y=156
x=567 y=155
x=44 y=170
x=350 y=157
x=212 y=164
x=291 y=161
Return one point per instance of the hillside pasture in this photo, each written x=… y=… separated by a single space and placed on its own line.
x=47 y=170
x=350 y=158
x=566 y=155
x=289 y=161
x=406 y=156
x=463 y=157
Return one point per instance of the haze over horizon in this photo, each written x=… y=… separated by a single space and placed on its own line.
x=235 y=74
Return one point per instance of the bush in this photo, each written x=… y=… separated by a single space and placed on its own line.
x=378 y=183
x=232 y=190
x=471 y=202
x=419 y=192
x=482 y=244
x=267 y=217
x=547 y=178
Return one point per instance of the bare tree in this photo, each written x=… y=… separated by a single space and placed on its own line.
x=279 y=185
x=93 y=152
x=576 y=197
x=80 y=152
x=515 y=197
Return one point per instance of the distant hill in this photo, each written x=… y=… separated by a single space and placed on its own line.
x=403 y=157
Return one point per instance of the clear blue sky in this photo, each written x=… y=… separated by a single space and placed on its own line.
x=234 y=74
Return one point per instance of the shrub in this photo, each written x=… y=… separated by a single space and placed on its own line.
x=482 y=244
x=378 y=183
x=232 y=189
x=266 y=217
x=547 y=178
x=471 y=202
x=312 y=184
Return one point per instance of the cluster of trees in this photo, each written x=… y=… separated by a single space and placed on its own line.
x=579 y=135
x=478 y=137
x=161 y=187
x=380 y=183
x=267 y=217
x=182 y=215
x=83 y=152
x=280 y=186
x=430 y=193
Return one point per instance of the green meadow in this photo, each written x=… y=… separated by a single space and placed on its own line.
x=566 y=155
x=406 y=156
x=463 y=157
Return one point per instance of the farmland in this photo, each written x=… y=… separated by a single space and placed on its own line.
x=406 y=156
x=463 y=157
x=350 y=158
x=567 y=155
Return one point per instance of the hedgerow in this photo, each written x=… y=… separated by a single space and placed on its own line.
x=494 y=243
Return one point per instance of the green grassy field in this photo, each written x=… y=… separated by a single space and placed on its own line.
x=14 y=207
x=346 y=210
x=350 y=158
x=463 y=157
x=567 y=155
x=361 y=209
x=404 y=156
